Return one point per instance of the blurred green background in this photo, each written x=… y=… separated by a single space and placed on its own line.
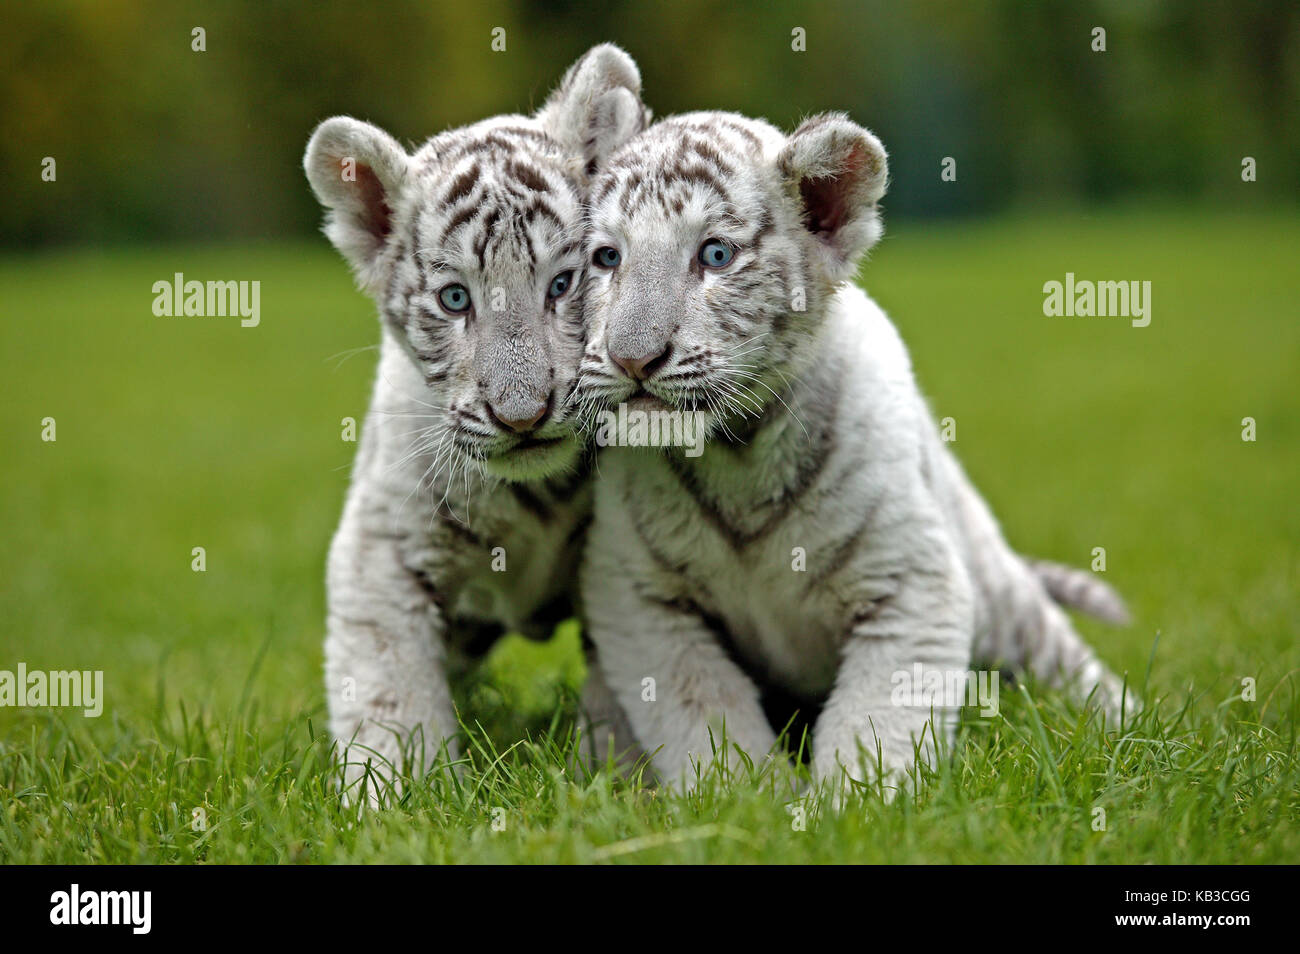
x=177 y=433
x=155 y=141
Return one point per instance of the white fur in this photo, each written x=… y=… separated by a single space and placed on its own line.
x=443 y=492
x=695 y=600
x=804 y=638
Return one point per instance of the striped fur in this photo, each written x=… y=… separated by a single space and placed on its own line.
x=821 y=445
x=467 y=510
x=1080 y=590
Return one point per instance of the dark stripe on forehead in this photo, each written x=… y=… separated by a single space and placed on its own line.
x=637 y=192
x=630 y=188
x=666 y=205
x=608 y=184
x=696 y=174
x=480 y=247
x=466 y=214
x=540 y=208
x=706 y=151
x=751 y=140
x=521 y=229
x=461 y=185
x=495 y=140
x=527 y=176
x=487 y=146
x=510 y=139
x=576 y=191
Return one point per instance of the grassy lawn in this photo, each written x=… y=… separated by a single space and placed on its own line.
x=1085 y=432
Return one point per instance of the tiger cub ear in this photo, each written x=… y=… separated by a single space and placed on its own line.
x=358 y=172
x=597 y=106
x=837 y=172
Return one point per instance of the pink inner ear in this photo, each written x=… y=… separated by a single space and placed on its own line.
x=374 y=212
x=827 y=200
x=824 y=208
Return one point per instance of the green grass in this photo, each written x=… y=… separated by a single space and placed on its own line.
x=177 y=433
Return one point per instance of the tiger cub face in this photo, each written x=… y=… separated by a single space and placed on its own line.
x=472 y=249
x=716 y=242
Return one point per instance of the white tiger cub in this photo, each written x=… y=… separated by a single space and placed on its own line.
x=724 y=252
x=469 y=496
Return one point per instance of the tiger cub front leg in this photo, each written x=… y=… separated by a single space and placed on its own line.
x=868 y=730
x=606 y=732
x=384 y=661
x=680 y=692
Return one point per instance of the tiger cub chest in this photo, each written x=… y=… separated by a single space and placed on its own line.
x=767 y=572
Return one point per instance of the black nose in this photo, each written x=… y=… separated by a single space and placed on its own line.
x=520 y=419
x=641 y=368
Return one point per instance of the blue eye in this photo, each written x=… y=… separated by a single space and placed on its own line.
x=715 y=254
x=607 y=257
x=454 y=299
x=559 y=285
